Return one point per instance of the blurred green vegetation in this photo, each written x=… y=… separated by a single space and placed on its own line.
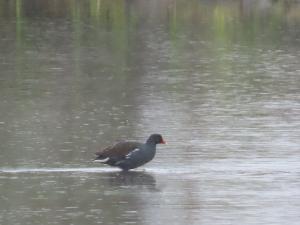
x=225 y=22
x=117 y=23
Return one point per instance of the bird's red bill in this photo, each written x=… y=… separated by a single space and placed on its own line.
x=163 y=142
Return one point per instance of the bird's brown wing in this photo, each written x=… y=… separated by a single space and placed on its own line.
x=119 y=150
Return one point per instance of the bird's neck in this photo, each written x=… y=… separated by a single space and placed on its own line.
x=150 y=149
x=151 y=143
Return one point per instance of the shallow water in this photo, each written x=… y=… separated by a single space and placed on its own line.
x=219 y=80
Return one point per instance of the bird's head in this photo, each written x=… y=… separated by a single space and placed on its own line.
x=156 y=139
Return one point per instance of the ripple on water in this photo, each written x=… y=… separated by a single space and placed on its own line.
x=93 y=170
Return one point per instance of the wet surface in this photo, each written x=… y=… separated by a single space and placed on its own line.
x=220 y=82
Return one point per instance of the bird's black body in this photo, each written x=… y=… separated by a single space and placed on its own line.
x=129 y=155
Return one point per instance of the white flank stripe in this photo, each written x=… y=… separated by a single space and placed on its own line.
x=101 y=160
x=130 y=153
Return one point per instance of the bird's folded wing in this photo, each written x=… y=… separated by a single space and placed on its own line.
x=120 y=149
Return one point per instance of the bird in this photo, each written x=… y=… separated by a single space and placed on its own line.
x=128 y=155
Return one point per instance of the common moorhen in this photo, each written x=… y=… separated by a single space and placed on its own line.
x=128 y=154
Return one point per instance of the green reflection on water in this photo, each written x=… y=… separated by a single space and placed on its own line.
x=226 y=23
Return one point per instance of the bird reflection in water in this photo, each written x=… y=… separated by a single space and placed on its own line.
x=132 y=178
